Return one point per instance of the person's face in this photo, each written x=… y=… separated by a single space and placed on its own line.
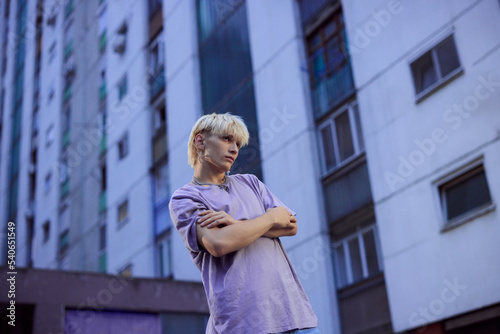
x=221 y=151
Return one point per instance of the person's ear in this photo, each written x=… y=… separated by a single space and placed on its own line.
x=199 y=141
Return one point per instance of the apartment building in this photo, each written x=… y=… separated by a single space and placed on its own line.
x=377 y=123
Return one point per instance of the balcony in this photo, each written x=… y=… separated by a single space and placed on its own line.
x=102 y=262
x=331 y=91
x=309 y=9
x=102 y=202
x=68 y=50
x=67 y=93
x=162 y=216
x=65 y=139
x=157 y=82
x=69 y=8
x=64 y=188
x=102 y=144
x=102 y=41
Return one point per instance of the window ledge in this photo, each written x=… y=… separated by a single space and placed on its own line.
x=122 y=223
x=438 y=85
x=468 y=216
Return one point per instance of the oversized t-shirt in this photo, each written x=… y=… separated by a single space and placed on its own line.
x=253 y=290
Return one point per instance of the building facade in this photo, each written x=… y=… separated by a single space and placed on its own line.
x=376 y=123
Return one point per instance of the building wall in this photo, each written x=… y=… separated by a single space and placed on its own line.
x=421 y=261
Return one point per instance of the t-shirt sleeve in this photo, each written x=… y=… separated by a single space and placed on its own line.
x=268 y=198
x=184 y=213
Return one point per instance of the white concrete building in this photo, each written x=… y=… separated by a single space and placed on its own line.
x=428 y=90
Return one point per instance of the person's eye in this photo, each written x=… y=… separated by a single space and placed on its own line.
x=238 y=144
x=225 y=137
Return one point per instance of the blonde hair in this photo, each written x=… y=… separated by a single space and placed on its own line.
x=217 y=124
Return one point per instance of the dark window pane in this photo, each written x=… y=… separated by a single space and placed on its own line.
x=329 y=152
x=424 y=73
x=371 y=253
x=341 y=266
x=330 y=28
x=356 y=266
x=344 y=136
x=448 y=58
x=336 y=57
x=314 y=40
x=467 y=195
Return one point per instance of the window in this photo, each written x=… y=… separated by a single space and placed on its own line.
x=63 y=242
x=122 y=88
x=49 y=135
x=156 y=55
x=123 y=212
x=329 y=65
x=48 y=182
x=465 y=197
x=341 y=137
x=123 y=147
x=102 y=237
x=159 y=117
x=126 y=271
x=46 y=231
x=52 y=52
x=161 y=182
x=164 y=258
x=435 y=67
x=357 y=257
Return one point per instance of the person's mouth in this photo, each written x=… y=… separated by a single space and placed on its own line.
x=229 y=158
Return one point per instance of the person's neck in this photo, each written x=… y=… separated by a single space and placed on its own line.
x=207 y=175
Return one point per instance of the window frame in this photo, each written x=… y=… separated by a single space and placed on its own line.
x=440 y=79
x=344 y=243
x=456 y=177
x=356 y=136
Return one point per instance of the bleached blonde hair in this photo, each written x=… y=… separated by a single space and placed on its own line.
x=217 y=124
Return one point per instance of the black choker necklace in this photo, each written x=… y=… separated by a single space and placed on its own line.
x=222 y=185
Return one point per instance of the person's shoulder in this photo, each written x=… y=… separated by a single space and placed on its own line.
x=248 y=178
x=186 y=192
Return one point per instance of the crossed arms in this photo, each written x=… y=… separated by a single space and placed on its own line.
x=230 y=235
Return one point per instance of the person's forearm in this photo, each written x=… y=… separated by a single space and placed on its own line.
x=237 y=236
x=280 y=232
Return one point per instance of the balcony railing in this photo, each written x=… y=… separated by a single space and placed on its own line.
x=102 y=92
x=102 y=41
x=309 y=9
x=67 y=93
x=65 y=188
x=102 y=201
x=102 y=262
x=68 y=50
x=332 y=90
x=102 y=144
x=69 y=8
x=65 y=139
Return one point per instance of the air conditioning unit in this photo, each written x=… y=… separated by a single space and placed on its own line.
x=69 y=68
x=52 y=15
x=119 y=43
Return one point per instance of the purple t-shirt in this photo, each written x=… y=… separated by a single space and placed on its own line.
x=253 y=290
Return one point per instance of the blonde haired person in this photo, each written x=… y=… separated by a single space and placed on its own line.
x=231 y=225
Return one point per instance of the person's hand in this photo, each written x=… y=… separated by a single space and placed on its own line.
x=281 y=217
x=211 y=218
